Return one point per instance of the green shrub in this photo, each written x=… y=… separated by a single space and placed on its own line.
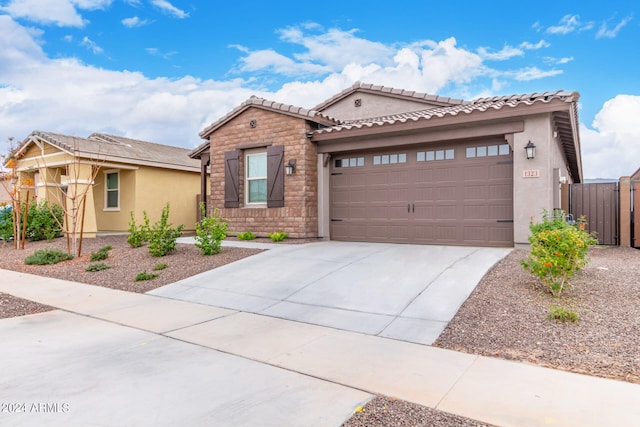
x=98 y=266
x=138 y=234
x=145 y=276
x=210 y=232
x=43 y=221
x=558 y=250
x=247 y=235
x=160 y=266
x=101 y=254
x=162 y=237
x=6 y=223
x=278 y=236
x=47 y=256
x=563 y=314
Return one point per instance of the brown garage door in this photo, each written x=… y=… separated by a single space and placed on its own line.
x=458 y=194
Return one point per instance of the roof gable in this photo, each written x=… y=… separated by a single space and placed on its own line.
x=257 y=102
x=404 y=98
x=104 y=147
x=254 y=101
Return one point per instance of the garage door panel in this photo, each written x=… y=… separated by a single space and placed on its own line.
x=449 y=174
x=446 y=192
x=475 y=173
x=475 y=233
x=502 y=212
x=475 y=191
x=475 y=212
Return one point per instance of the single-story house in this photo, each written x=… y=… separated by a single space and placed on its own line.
x=120 y=175
x=5 y=187
x=379 y=164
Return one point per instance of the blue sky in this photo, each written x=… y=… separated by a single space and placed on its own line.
x=162 y=70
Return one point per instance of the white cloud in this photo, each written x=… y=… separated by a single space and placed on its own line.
x=530 y=46
x=134 y=22
x=272 y=61
x=505 y=53
x=167 y=7
x=568 y=24
x=57 y=12
x=533 y=73
x=605 y=32
x=336 y=48
x=157 y=52
x=611 y=148
x=91 y=45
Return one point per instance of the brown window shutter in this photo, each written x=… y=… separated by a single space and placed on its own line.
x=231 y=179
x=275 y=176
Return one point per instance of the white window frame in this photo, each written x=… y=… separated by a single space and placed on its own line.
x=106 y=190
x=247 y=154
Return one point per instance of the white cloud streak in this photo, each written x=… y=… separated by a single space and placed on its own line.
x=134 y=22
x=610 y=33
x=170 y=9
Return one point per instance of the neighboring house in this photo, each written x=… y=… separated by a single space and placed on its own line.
x=123 y=175
x=5 y=186
x=378 y=164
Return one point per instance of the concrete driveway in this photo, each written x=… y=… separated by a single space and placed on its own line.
x=405 y=292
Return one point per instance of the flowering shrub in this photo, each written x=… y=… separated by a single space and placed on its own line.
x=558 y=250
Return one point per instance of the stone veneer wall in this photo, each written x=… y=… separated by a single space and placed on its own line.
x=299 y=216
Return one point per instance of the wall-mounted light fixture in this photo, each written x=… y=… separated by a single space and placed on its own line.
x=290 y=167
x=531 y=150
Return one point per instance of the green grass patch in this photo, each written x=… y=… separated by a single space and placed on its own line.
x=98 y=266
x=246 y=235
x=563 y=314
x=47 y=257
x=145 y=276
x=160 y=266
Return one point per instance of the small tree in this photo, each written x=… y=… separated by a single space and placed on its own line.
x=138 y=234
x=558 y=250
x=210 y=232
x=162 y=237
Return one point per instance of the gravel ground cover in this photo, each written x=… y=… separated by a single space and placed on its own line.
x=505 y=317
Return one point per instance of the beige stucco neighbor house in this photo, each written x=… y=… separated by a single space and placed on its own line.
x=121 y=174
x=379 y=164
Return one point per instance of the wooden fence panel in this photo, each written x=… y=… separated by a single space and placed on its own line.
x=635 y=217
x=599 y=203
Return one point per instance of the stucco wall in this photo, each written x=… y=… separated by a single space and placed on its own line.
x=299 y=216
x=532 y=196
x=156 y=187
x=115 y=220
x=5 y=185
x=372 y=105
x=148 y=189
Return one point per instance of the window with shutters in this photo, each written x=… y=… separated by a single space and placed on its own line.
x=262 y=177
x=255 y=165
x=112 y=190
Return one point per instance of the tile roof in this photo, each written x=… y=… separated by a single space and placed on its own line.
x=105 y=147
x=389 y=91
x=254 y=101
x=258 y=102
x=480 y=104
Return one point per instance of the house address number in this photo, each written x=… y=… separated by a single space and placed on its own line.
x=531 y=173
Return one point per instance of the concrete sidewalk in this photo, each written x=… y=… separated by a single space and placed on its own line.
x=119 y=358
